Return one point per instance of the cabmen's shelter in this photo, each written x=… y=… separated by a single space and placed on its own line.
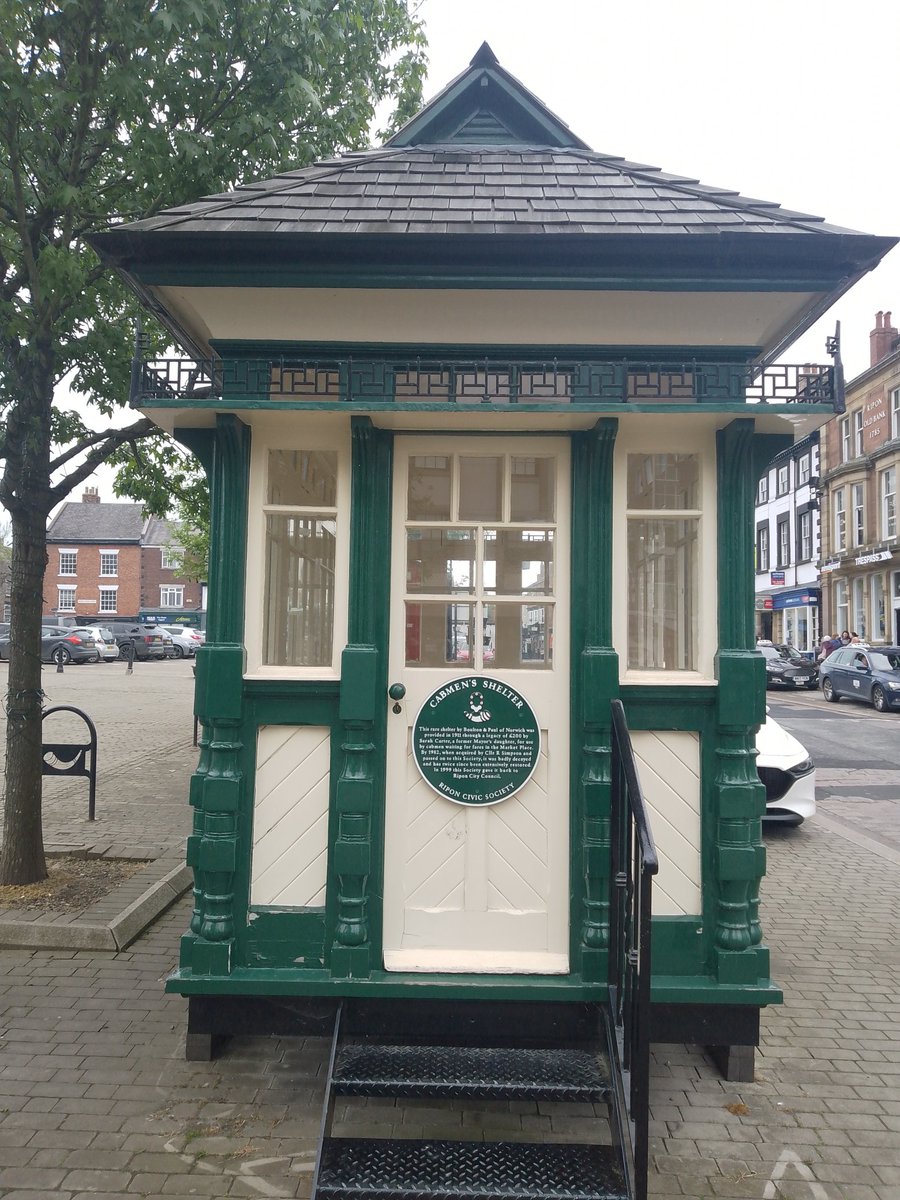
x=483 y=413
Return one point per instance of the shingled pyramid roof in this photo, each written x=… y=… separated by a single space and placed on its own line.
x=484 y=157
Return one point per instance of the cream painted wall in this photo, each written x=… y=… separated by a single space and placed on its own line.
x=470 y=316
x=668 y=766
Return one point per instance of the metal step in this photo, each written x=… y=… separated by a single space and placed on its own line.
x=471 y=1073
x=373 y=1169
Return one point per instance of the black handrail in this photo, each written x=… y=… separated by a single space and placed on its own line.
x=634 y=863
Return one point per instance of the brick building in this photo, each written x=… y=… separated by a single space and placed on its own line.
x=162 y=588
x=860 y=465
x=109 y=560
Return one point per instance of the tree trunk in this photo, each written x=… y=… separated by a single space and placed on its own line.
x=25 y=491
x=22 y=857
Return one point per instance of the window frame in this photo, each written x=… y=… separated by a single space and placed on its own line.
x=844 y=438
x=102 y=592
x=888 y=503
x=66 y=587
x=278 y=433
x=762 y=489
x=894 y=399
x=102 y=574
x=669 y=438
x=763 y=547
x=171 y=558
x=177 y=589
x=839 y=520
x=782 y=541
x=804 y=468
x=858 y=434
x=804 y=535
x=841 y=604
x=858 y=511
x=783 y=479
x=74 y=571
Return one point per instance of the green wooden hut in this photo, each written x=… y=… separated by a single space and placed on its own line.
x=483 y=412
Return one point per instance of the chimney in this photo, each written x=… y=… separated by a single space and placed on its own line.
x=883 y=339
x=91 y=496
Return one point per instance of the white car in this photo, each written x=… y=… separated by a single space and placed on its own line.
x=185 y=641
x=788 y=775
x=107 y=647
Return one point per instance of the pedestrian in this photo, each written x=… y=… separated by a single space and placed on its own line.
x=845 y=637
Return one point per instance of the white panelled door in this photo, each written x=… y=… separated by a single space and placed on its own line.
x=480 y=582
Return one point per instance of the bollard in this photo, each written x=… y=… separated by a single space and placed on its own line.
x=129 y=654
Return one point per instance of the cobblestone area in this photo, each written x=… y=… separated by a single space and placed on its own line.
x=97 y=1099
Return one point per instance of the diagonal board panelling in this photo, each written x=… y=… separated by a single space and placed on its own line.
x=290 y=816
x=478 y=859
x=668 y=765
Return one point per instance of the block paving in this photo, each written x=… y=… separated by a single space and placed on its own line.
x=96 y=1098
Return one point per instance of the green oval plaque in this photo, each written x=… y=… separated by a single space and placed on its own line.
x=476 y=740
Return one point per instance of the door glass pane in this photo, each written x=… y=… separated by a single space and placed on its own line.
x=428 y=489
x=440 y=561
x=518 y=561
x=305 y=478
x=439 y=634
x=663 y=481
x=518 y=635
x=532 y=489
x=480 y=489
x=299 y=615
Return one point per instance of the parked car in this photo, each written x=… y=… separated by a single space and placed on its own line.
x=863 y=673
x=103 y=639
x=786 y=667
x=185 y=641
x=787 y=773
x=146 y=641
x=60 y=645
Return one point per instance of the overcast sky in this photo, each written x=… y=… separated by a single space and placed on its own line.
x=780 y=100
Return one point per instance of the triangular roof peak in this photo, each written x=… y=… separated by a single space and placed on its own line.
x=485 y=105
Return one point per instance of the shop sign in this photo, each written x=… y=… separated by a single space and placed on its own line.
x=476 y=741
x=776 y=577
x=877 y=556
x=830 y=566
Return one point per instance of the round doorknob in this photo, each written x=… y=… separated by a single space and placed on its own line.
x=396 y=691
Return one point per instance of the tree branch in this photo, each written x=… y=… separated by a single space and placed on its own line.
x=112 y=439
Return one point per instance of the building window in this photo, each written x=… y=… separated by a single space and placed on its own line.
x=844 y=428
x=784 y=541
x=65 y=601
x=663 y=513
x=762 y=547
x=109 y=563
x=762 y=491
x=68 y=562
x=878 y=609
x=895 y=413
x=301 y=552
x=858 y=433
x=172 y=558
x=171 y=596
x=840 y=521
x=805 y=546
x=841 y=607
x=803 y=469
x=783 y=480
x=858 y=624
x=108 y=600
x=889 y=503
x=859 y=517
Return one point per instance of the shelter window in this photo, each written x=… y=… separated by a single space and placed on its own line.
x=301 y=521
x=663 y=515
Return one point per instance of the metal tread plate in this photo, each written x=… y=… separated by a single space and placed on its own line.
x=374 y=1169
x=471 y=1072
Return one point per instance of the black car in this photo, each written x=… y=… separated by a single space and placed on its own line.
x=146 y=641
x=863 y=673
x=786 y=667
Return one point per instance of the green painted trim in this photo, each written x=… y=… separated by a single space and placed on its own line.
x=240 y=348
x=201 y=443
x=283 y=981
x=229 y=488
x=679 y=947
x=502 y=277
x=281 y=938
x=594 y=682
